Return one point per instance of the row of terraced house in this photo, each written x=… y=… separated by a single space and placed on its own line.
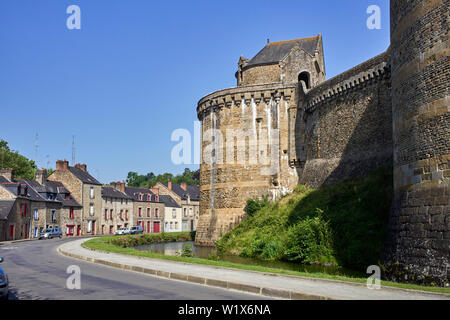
x=72 y=199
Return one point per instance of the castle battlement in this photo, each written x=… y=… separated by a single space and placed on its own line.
x=391 y=110
x=375 y=69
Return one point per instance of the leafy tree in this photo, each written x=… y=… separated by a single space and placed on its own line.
x=23 y=167
x=149 y=180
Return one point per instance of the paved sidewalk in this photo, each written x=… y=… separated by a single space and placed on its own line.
x=278 y=286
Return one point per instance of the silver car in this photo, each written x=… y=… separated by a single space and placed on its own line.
x=136 y=230
x=51 y=233
x=122 y=231
x=4 y=283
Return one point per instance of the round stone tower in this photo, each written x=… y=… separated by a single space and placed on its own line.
x=245 y=133
x=419 y=230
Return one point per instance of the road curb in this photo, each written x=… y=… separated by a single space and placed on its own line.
x=245 y=287
x=232 y=285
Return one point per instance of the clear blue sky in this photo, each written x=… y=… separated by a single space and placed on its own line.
x=137 y=68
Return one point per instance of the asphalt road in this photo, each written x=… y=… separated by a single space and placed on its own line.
x=37 y=272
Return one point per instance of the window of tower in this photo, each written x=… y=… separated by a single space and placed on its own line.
x=306 y=78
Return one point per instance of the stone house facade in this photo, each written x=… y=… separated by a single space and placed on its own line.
x=188 y=198
x=172 y=214
x=85 y=189
x=148 y=210
x=117 y=210
x=34 y=206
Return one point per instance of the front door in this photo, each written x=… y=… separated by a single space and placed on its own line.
x=156 y=227
x=93 y=227
x=78 y=230
x=11 y=232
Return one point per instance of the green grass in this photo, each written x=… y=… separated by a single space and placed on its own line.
x=103 y=244
x=343 y=225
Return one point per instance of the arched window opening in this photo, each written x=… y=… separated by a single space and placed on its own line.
x=305 y=77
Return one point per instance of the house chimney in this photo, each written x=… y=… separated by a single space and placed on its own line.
x=62 y=165
x=122 y=186
x=41 y=176
x=169 y=185
x=155 y=190
x=8 y=173
x=183 y=186
x=83 y=167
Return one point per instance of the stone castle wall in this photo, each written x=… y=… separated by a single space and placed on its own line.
x=343 y=127
x=391 y=110
x=419 y=228
x=225 y=184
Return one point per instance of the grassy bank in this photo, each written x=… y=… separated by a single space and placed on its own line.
x=343 y=225
x=105 y=244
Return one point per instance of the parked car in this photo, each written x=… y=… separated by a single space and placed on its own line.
x=4 y=283
x=51 y=233
x=136 y=230
x=122 y=231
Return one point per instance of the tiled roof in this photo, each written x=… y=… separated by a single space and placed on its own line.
x=134 y=193
x=192 y=191
x=168 y=201
x=38 y=192
x=55 y=187
x=111 y=192
x=5 y=208
x=68 y=202
x=33 y=194
x=84 y=176
x=276 y=51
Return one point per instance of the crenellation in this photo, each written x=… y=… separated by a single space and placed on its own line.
x=391 y=110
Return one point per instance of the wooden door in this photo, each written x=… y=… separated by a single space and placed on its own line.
x=156 y=227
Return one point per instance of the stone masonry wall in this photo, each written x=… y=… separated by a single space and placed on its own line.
x=261 y=74
x=225 y=185
x=418 y=245
x=390 y=110
x=344 y=127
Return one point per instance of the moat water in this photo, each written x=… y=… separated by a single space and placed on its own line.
x=175 y=248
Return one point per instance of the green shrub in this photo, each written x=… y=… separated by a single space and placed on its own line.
x=273 y=250
x=187 y=250
x=344 y=224
x=145 y=239
x=254 y=205
x=310 y=241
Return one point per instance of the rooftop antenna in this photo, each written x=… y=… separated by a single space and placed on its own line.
x=36 y=146
x=73 y=150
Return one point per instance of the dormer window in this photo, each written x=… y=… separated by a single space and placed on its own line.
x=149 y=197
x=140 y=197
